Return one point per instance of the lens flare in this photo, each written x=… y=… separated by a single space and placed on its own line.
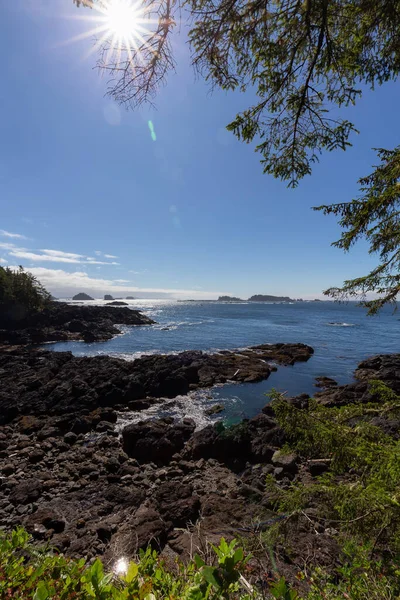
x=121 y=566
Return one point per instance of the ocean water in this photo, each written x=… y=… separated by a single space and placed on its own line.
x=341 y=335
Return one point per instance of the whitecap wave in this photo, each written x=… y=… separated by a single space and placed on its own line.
x=192 y=406
x=333 y=324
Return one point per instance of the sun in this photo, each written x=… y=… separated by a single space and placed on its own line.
x=125 y=24
x=121 y=18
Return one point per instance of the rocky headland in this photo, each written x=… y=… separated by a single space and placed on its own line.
x=70 y=478
x=66 y=322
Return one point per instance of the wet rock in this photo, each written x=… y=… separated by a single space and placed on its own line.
x=72 y=387
x=214 y=410
x=325 y=382
x=104 y=426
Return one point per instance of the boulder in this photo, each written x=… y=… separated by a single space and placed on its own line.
x=25 y=492
x=156 y=441
x=285 y=460
x=325 y=382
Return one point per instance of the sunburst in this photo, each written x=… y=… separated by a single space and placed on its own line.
x=124 y=24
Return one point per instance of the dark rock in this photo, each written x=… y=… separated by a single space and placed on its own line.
x=325 y=382
x=25 y=492
x=70 y=437
x=286 y=461
x=104 y=426
x=214 y=410
x=76 y=326
x=36 y=455
x=104 y=533
x=117 y=303
x=75 y=386
x=61 y=321
x=317 y=467
x=7 y=469
x=156 y=441
x=177 y=504
x=116 y=494
x=149 y=529
x=279 y=473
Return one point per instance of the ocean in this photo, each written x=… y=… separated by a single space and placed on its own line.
x=341 y=335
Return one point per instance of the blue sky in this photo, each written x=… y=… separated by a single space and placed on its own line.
x=190 y=214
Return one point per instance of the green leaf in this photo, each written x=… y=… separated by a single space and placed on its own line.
x=96 y=571
x=132 y=572
x=238 y=556
x=210 y=574
x=199 y=561
x=42 y=592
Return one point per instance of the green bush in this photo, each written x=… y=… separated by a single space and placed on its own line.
x=361 y=491
x=20 y=294
x=26 y=572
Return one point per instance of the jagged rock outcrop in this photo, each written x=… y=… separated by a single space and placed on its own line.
x=64 y=322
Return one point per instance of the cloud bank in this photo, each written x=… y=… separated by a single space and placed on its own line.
x=64 y=285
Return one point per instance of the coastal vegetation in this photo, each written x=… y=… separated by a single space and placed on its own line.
x=21 y=294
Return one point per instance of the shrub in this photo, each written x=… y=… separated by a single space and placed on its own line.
x=27 y=573
x=20 y=294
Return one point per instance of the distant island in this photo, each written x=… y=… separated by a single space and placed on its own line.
x=108 y=297
x=229 y=299
x=129 y=298
x=268 y=298
x=82 y=296
x=257 y=298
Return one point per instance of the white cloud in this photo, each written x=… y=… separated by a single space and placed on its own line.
x=64 y=284
x=53 y=256
x=121 y=280
x=16 y=236
x=100 y=253
x=61 y=253
x=7 y=246
x=3 y=261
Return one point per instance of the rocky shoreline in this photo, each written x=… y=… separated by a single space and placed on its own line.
x=65 y=322
x=58 y=383
x=71 y=479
